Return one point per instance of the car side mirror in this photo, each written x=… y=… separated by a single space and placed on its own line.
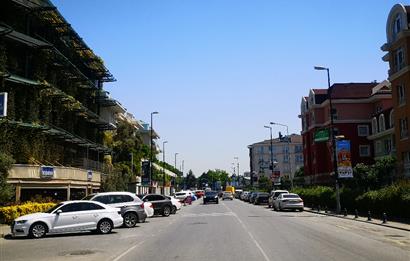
x=59 y=212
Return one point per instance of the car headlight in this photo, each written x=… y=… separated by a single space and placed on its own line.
x=21 y=221
x=204 y=196
x=216 y=196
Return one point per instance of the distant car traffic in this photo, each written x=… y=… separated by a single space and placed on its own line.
x=211 y=196
x=252 y=196
x=227 y=195
x=68 y=216
x=182 y=195
x=288 y=201
x=274 y=194
x=131 y=206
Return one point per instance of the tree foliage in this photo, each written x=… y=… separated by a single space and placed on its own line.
x=6 y=191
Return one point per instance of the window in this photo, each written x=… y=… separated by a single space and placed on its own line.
x=71 y=207
x=382 y=124
x=364 y=150
x=387 y=146
x=401 y=94
x=298 y=158
x=298 y=148
x=103 y=199
x=334 y=113
x=286 y=158
x=391 y=119
x=363 y=130
x=90 y=206
x=261 y=150
x=399 y=59
x=396 y=26
x=406 y=163
x=127 y=198
x=404 y=133
x=378 y=147
x=375 y=128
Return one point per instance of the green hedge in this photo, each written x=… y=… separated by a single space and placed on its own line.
x=393 y=199
x=8 y=214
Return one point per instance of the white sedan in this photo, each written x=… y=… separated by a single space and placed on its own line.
x=288 y=201
x=176 y=204
x=68 y=216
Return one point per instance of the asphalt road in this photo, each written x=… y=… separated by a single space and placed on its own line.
x=231 y=230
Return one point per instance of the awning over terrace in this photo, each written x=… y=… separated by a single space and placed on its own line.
x=161 y=169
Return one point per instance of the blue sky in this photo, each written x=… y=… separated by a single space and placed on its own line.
x=217 y=71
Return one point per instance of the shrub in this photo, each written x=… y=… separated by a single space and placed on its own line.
x=392 y=199
x=8 y=214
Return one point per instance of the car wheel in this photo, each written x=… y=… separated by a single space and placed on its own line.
x=166 y=211
x=280 y=208
x=37 y=230
x=269 y=206
x=174 y=210
x=301 y=209
x=130 y=219
x=104 y=226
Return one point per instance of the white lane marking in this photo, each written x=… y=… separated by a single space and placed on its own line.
x=128 y=250
x=249 y=233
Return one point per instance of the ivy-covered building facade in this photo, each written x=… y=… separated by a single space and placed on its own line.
x=57 y=109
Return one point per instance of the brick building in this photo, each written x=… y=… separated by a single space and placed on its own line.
x=354 y=106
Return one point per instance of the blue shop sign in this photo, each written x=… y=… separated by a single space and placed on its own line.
x=3 y=104
x=89 y=175
x=47 y=172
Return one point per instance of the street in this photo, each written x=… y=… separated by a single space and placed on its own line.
x=231 y=230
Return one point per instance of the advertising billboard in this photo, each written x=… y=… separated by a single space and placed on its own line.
x=344 y=162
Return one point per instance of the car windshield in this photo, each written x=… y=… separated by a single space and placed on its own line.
x=180 y=194
x=54 y=208
x=211 y=194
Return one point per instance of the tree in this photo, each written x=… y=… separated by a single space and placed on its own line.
x=190 y=180
x=264 y=184
x=6 y=191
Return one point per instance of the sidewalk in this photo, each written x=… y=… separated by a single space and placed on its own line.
x=374 y=221
x=4 y=230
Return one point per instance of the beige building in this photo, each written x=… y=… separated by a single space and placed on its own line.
x=287 y=157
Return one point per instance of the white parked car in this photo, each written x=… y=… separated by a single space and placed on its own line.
x=182 y=195
x=176 y=205
x=288 y=201
x=69 y=216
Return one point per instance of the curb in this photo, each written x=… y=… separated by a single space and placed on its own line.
x=363 y=221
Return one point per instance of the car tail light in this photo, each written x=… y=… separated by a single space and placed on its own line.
x=142 y=205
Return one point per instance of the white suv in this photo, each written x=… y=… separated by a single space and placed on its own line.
x=132 y=207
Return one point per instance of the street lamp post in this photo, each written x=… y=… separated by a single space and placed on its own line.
x=271 y=149
x=175 y=166
x=151 y=153
x=287 y=151
x=237 y=161
x=163 y=162
x=329 y=92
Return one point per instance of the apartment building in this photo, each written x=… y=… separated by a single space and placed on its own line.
x=361 y=114
x=287 y=155
x=397 y=50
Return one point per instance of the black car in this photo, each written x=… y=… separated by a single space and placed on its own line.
x=161 y=204
x=261 y=198
x=211 y=196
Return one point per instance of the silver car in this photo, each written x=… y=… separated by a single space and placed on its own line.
x=288 y=201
